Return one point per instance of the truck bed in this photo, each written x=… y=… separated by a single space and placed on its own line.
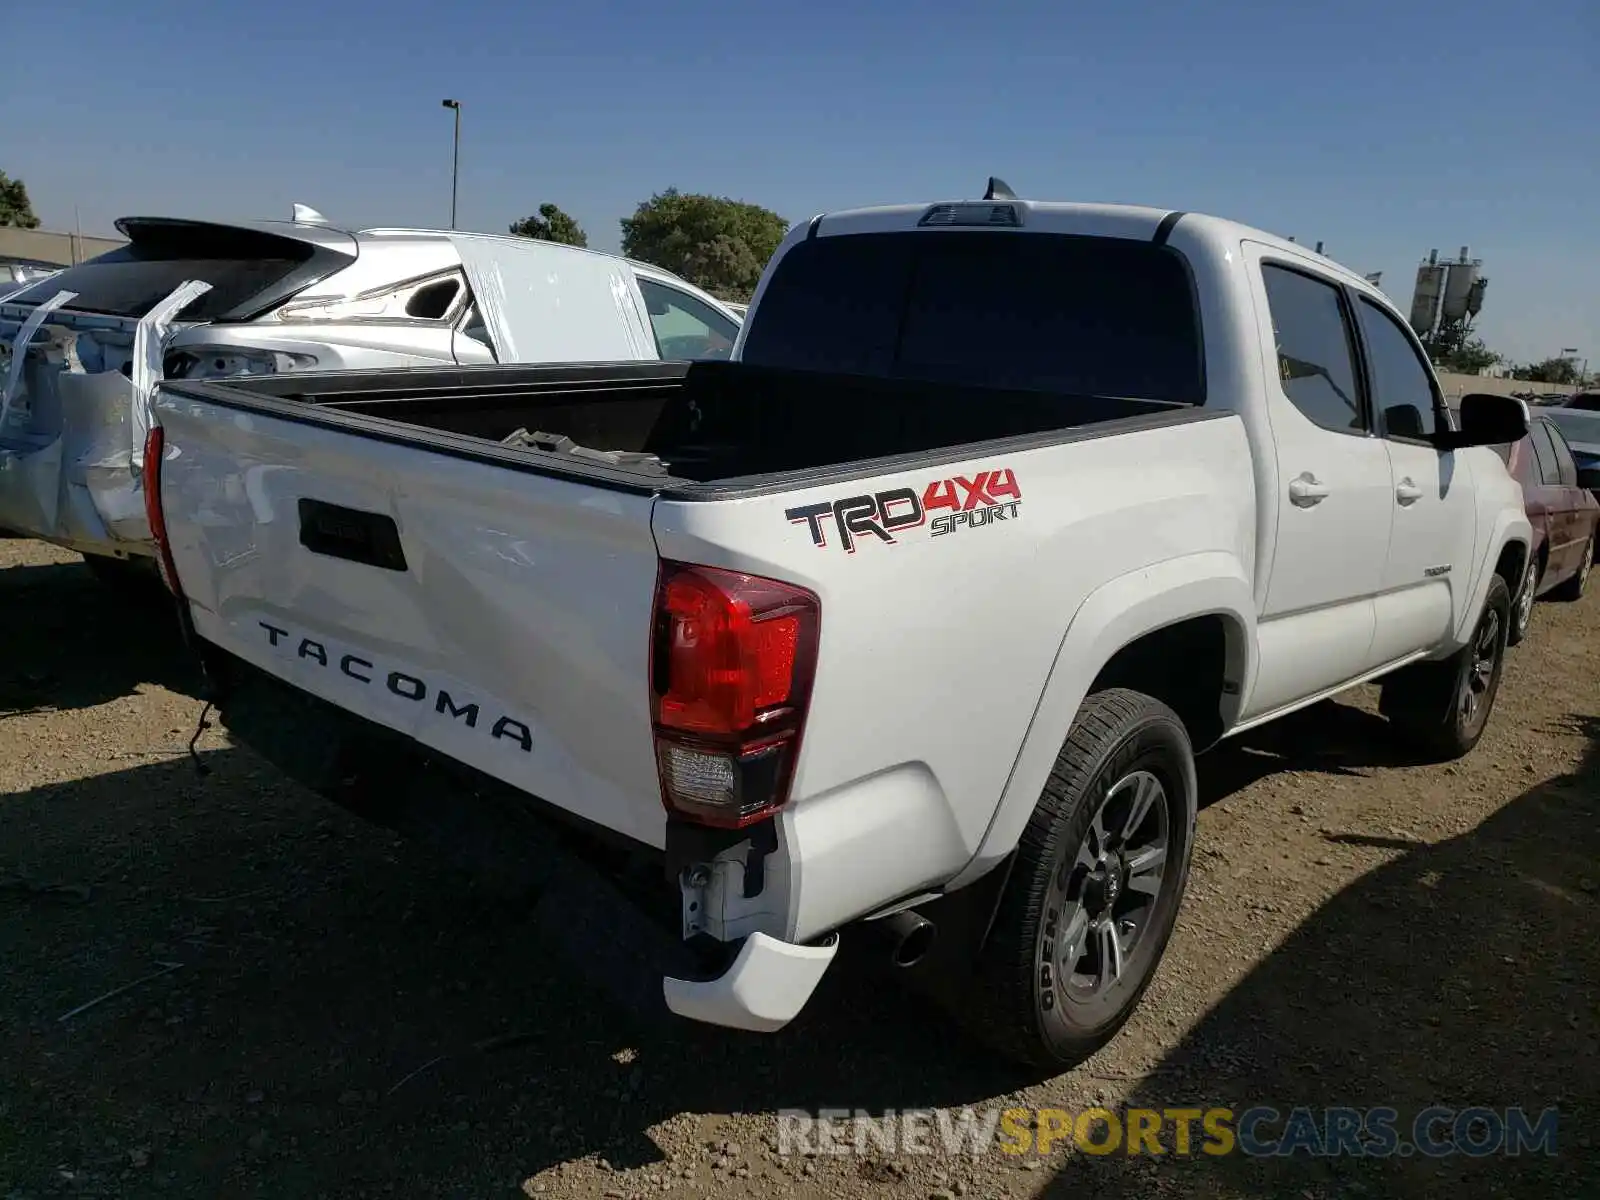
x=703 y=423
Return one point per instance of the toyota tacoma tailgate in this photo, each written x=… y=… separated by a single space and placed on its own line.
x=494 y=614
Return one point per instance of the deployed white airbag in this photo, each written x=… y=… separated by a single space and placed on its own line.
x=547 y=303
x=148 y=340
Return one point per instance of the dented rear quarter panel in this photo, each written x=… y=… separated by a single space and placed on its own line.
x=67 y=456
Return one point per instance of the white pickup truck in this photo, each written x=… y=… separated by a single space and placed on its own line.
x=908 y=620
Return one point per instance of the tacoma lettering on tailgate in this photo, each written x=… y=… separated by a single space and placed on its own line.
x=404 y=685
x=987 y=497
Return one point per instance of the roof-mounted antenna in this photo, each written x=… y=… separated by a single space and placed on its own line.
x=998 y=190
x=304 y=214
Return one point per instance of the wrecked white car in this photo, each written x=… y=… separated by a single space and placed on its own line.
x=82 y=350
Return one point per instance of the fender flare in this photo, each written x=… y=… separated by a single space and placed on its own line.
x=1115 y=615
x=1510 y=527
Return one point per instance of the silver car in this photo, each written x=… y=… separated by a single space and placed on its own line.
x=285 y=296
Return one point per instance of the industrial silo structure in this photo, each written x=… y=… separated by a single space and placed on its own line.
x=1461 y=285
x=1448 y=296
x=1427 y=295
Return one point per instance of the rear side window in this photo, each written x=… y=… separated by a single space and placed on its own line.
x=130 y=281
x=474 y=327
x=685 y=327
x=1316 y=355
x=434 y=301
x=1544 y=452
x=1556 y=468
x=1038 y=312
x=1566 y=466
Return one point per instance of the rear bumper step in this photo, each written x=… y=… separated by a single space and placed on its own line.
x=763 y=990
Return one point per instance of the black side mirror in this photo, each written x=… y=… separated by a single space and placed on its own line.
x=1403 y=420
x=1589 y=478
x=1486 y=420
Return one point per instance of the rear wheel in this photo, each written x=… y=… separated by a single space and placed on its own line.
x=1522 y=610
x=1572 y=589
x=1444 y=706
x=1093 y=894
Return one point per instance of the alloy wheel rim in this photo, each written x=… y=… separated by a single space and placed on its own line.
x=1525 y=601
x=1103 y=898
x=1480 y=676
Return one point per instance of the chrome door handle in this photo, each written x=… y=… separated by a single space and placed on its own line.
x=1305 y=490
x=1407 y=492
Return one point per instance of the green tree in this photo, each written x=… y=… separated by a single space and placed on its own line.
x=715 y=243
x=552 y=225
x=15 y=208
x=1560 y=371
x=1470 y=357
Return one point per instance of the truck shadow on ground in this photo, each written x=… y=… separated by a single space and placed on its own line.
x=1332 y=737
x=85 y=643
x=348 y=1017
x=1459 y=974
x=348 y=1014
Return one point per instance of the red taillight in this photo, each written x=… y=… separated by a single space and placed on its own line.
x=154 y=446
x=732 y=659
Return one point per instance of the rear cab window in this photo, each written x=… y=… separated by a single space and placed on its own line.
x=247 y=271
x=1093 y=316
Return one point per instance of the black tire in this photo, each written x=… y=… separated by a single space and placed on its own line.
x=1022 y=1004
x=1522 y=603
x=1428 y=702
x=1572 y=589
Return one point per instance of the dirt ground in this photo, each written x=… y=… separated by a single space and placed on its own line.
x=337 y=1016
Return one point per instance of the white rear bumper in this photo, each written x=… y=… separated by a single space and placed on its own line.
x=765 y=988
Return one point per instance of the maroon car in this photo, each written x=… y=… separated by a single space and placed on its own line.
x=1563 y=514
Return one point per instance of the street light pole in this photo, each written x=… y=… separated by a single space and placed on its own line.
x=455 y=162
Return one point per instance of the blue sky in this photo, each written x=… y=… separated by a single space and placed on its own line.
x=1383 y=127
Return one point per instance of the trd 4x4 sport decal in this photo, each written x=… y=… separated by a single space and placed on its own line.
x=971 y=503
